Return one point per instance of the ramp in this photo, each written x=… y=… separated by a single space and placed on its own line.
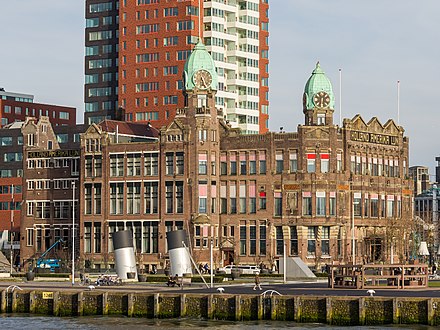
x=5 y=266
x=296 y=268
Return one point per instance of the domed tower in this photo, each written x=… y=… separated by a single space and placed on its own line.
x=202 y=121
x=200 y=76
x=318 y=99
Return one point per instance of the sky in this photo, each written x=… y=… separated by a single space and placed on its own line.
x=375 y=43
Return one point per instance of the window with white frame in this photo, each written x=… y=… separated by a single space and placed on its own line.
x=320 y=203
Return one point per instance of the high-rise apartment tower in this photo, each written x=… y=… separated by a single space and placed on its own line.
x=136 y=51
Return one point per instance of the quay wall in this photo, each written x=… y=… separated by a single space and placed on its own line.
x=302 y=309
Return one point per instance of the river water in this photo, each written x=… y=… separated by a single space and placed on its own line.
x=24 y=322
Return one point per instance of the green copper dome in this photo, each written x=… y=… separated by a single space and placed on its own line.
x=198 y=60
x=318 y=82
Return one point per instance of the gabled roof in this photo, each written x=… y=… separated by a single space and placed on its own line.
x=126 y=128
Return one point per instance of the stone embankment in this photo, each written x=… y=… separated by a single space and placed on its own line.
x=302 y=309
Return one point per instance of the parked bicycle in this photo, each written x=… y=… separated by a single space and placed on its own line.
x=108 y=280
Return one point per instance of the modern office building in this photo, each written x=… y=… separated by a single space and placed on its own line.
x=420 y=175
x=136 y=51
x=426 y=226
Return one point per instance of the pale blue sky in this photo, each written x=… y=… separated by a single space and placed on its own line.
x=375 y=43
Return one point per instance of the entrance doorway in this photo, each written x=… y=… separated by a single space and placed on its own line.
x=228 y=257
x=374 y=249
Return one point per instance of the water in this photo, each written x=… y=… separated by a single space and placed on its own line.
x=31 y=322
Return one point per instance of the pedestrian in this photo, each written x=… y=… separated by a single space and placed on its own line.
x=257 y=282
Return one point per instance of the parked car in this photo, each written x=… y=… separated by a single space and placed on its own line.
x=243 y=269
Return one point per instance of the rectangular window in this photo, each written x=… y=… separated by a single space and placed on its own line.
x=357 y=204
x=293 y=157
x=390 y=206
x=366 y=205
x=116 y=165
x=311 y=163
x=179 y=163
x=223 y=165
x=252 y=163
x=5 y=141
x=325 y=241
x=279 y=240
x=185 y=25
x=293 y=241
x=169 y=198
x=262 y=200
x=133 y=164
x=151 y=161
x=133 y=197
x=243 y=238
x=150 y=237
x=253 y=238
x=97 y=237
x=383 y=207
x=233 y=163
x=29 y=237
x=262 y=238
x=320 y=203
x=311 y=240
x=307 y=203
x=325 y=163
x=203 y=196
x=332 y=204
x=203 y=163
x=279 y=162
x=97 y=198
x=88 y=198
x=243 y=163
x=87 y=237
x=116 y=198
x=169 y=163
x=151 y=203
x=278 y=204
x=262 y=162
x=339 y=162
x=374 y=206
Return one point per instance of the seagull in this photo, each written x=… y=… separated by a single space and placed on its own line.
x=91 y=287
x=371 y=292
x=221 y=290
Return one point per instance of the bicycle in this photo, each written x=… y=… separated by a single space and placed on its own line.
x=84 y=280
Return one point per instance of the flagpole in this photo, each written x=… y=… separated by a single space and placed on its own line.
x=398 y=102
x=340 y=97
x=12 y=226
x=200 y=24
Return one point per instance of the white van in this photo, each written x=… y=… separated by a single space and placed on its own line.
x=244 y=269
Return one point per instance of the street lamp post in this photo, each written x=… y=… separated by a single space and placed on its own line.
x=212 y=262
x=353 y=247
x=12 y=226
x=73 y=232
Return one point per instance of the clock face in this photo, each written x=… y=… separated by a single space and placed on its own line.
x=202 y=79
x=321 y=99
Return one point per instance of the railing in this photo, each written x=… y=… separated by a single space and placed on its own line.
x=387 y=276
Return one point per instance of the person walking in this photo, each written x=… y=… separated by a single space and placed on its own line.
x=257 y=282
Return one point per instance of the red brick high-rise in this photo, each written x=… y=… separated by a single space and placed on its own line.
x=136 y=51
